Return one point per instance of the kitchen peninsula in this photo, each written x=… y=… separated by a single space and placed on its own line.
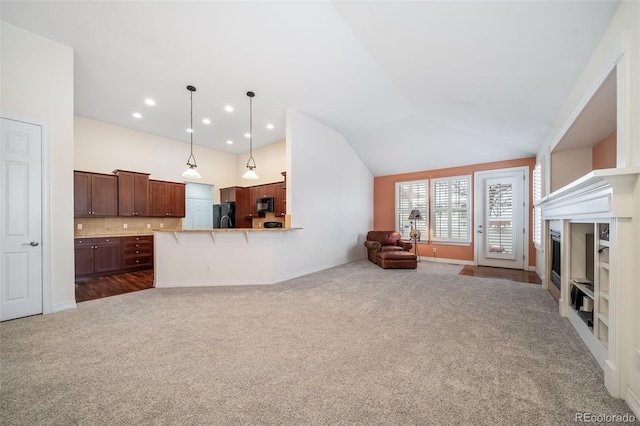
x=217 y=257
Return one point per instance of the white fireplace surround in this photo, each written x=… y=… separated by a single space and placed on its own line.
x=602 y=196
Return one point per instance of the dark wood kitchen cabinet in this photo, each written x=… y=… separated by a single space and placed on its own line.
x=137 y=252
x=229 y=195
x=94 y=194
x=280 y=207
x=98 y=256
x=133 y=193
x=166 y=199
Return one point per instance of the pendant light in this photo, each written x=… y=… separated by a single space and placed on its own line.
x=191 y=172
x=251 y=163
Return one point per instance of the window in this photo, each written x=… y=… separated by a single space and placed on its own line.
x=412 y=196
x=537 y=214
x=450 y=209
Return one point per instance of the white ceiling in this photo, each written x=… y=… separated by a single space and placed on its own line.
x=411 y=85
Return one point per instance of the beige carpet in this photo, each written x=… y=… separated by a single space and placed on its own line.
x=351 y=345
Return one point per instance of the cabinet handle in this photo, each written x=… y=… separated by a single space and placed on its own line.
x=137 y=252
x=137 y=261
x=137 y=245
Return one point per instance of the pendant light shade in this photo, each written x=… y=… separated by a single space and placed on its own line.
x=191 y=172
x=251 y=163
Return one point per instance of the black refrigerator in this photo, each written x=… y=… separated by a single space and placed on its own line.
x=224 y=215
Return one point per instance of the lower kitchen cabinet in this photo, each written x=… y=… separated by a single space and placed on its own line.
x=137 y=252
x=112 y=255
x=98 y=256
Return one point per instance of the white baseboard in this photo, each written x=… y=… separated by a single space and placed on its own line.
x=444 y=260
x=59 y=307
x=263 y=281
x=633 y=402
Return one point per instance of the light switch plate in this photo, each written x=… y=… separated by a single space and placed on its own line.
x=125 y=226
x=148 y=225
x=162 y=225
x=79 y=226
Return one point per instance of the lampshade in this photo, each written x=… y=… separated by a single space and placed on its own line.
x=414 y=215
x=250 y=174
x=251 y=163
x=191 y=172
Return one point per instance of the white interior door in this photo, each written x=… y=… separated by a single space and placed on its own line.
x=501 y=217
x=21 y=227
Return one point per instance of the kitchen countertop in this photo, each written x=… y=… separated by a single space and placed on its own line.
x=116 y=234
x=227 y=230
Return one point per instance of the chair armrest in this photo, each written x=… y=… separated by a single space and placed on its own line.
x=405 y=245
x=373 y=245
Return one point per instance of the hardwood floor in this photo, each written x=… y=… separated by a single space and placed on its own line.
x=111 y=285
x=503 y=273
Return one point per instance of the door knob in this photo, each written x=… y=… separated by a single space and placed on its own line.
x=32 y=244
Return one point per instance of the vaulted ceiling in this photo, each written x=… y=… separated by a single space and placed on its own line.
x=411 y=85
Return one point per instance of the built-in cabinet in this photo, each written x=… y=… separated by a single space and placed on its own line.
x=137 y=252
x=166 y=199
x=126 y=194
x=95 y=194
x=598 y=285
x=111 y=255
x=133 y=193
x=589 y=276
x=246 y=197
x=97 y=256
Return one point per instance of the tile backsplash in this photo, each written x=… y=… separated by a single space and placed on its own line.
x=113 y=226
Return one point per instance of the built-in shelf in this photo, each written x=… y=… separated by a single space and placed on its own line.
x=604 y=318
x=604 y=265
x=604 y=243
x=583 y=284
x=605 y=295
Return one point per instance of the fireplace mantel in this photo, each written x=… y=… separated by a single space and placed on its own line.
x=598 y=194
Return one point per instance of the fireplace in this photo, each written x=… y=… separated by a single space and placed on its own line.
x=555 y=257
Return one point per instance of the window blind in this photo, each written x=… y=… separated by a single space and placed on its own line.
x=411 y=196
x=537 y=214
x=451 y=209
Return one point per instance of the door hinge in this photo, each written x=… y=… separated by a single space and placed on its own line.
x=524 y=231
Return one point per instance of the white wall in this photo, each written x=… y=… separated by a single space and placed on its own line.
x=37 y=81
x=271 y=161
x=330 y=196
x=101 y=147
x=624 y=31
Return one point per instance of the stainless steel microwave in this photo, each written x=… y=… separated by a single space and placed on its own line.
x=264 y=205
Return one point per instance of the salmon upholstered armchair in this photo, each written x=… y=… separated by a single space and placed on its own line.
x=378 y=241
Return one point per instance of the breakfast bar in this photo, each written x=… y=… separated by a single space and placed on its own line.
x=220 y=257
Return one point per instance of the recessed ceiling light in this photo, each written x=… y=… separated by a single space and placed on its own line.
x=137 y=115
x=190 y=130
x=150 y=102
x=229 y=142
x=247 y=135
x=206 y=121
x=269 y=126
x=228 y=108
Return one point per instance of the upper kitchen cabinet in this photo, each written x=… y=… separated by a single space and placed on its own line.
x=280 y=199
x=95 y=194
x=229 y=195
x=167 y=198
x=133 y=193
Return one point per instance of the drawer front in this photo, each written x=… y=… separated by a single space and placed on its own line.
x=138 y=239
x=107 y=240
x=138 y=246
x=84 y=242
x=146 y=249
x=137 y=261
